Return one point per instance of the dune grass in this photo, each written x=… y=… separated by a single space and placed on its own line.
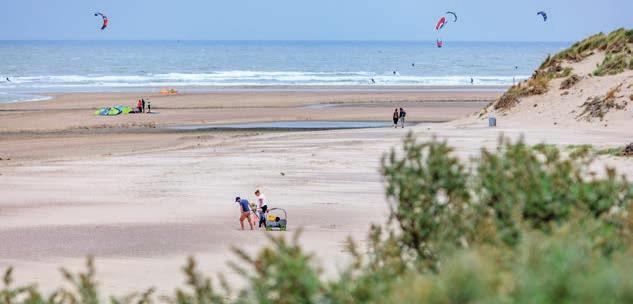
x=569 y=82
x=590 y=150
x=617 y=45
x=613 y=64
x=599 y=106
x=538 y=84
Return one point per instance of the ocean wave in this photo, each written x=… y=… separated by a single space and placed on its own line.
x=251 y=78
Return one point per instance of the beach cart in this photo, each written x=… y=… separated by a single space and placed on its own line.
x=276 y=219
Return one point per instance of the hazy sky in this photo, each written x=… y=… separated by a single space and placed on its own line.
x=500 y=20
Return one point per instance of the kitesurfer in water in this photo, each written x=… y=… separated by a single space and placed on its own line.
x=8 y=80
x=373 y=81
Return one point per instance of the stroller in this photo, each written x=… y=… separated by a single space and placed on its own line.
x=276 y=218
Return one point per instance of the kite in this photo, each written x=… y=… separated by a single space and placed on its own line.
x=105 y=20
x=440 y=24
x=542 y=13
x=454 y=15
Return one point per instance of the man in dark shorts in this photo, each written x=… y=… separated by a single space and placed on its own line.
x=396 y=117
x=245 y=212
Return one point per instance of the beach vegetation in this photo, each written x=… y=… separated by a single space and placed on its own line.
x=613 y=64
x=515 y=224
x=618 y=50
x=599 y=106
x=590 y=150
x=569 y=82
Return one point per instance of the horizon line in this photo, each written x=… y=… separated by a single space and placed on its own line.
x=271 y=40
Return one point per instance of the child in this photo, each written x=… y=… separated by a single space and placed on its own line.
x=149 y=106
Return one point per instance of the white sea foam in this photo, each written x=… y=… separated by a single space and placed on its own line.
x=250 y=78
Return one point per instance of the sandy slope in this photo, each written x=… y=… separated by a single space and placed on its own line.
x=560 y=108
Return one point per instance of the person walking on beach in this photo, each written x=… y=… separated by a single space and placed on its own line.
x=149 y=107
x=396 y=116
x=139 y=106
x=245 y=212
x=143 y=103
x=402 y=115
x=262 y=208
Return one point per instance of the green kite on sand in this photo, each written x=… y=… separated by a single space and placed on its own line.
x=113 y=111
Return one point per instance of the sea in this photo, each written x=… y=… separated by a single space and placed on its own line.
x=30 y=69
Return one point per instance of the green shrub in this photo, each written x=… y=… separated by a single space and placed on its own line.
x=518 y=224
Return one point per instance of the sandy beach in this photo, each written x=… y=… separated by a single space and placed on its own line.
x=141 y=199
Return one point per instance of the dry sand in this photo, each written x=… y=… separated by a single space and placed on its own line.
x=141 y=202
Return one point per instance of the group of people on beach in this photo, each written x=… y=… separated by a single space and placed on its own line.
x=246 y=209
x=140 y=105
x=398 y=116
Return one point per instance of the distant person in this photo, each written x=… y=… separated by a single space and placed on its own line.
x=401 y=117
x=394 y=73
x=139 y=106
x=149 y=106
x=413 y=64
x=8 y=80
x=373 y=81
x=245 y=212
x=143 y=103
x=262 y=208
x=472 y=81
x=396 y=116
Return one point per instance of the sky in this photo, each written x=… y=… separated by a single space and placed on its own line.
x=479 y=20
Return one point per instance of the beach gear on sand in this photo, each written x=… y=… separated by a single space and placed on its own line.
x=104 y=19
x=168 y=91
x=492 y=121
x=113 y=111
x=276 y=219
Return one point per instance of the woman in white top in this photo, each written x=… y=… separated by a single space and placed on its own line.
x=262 y=207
